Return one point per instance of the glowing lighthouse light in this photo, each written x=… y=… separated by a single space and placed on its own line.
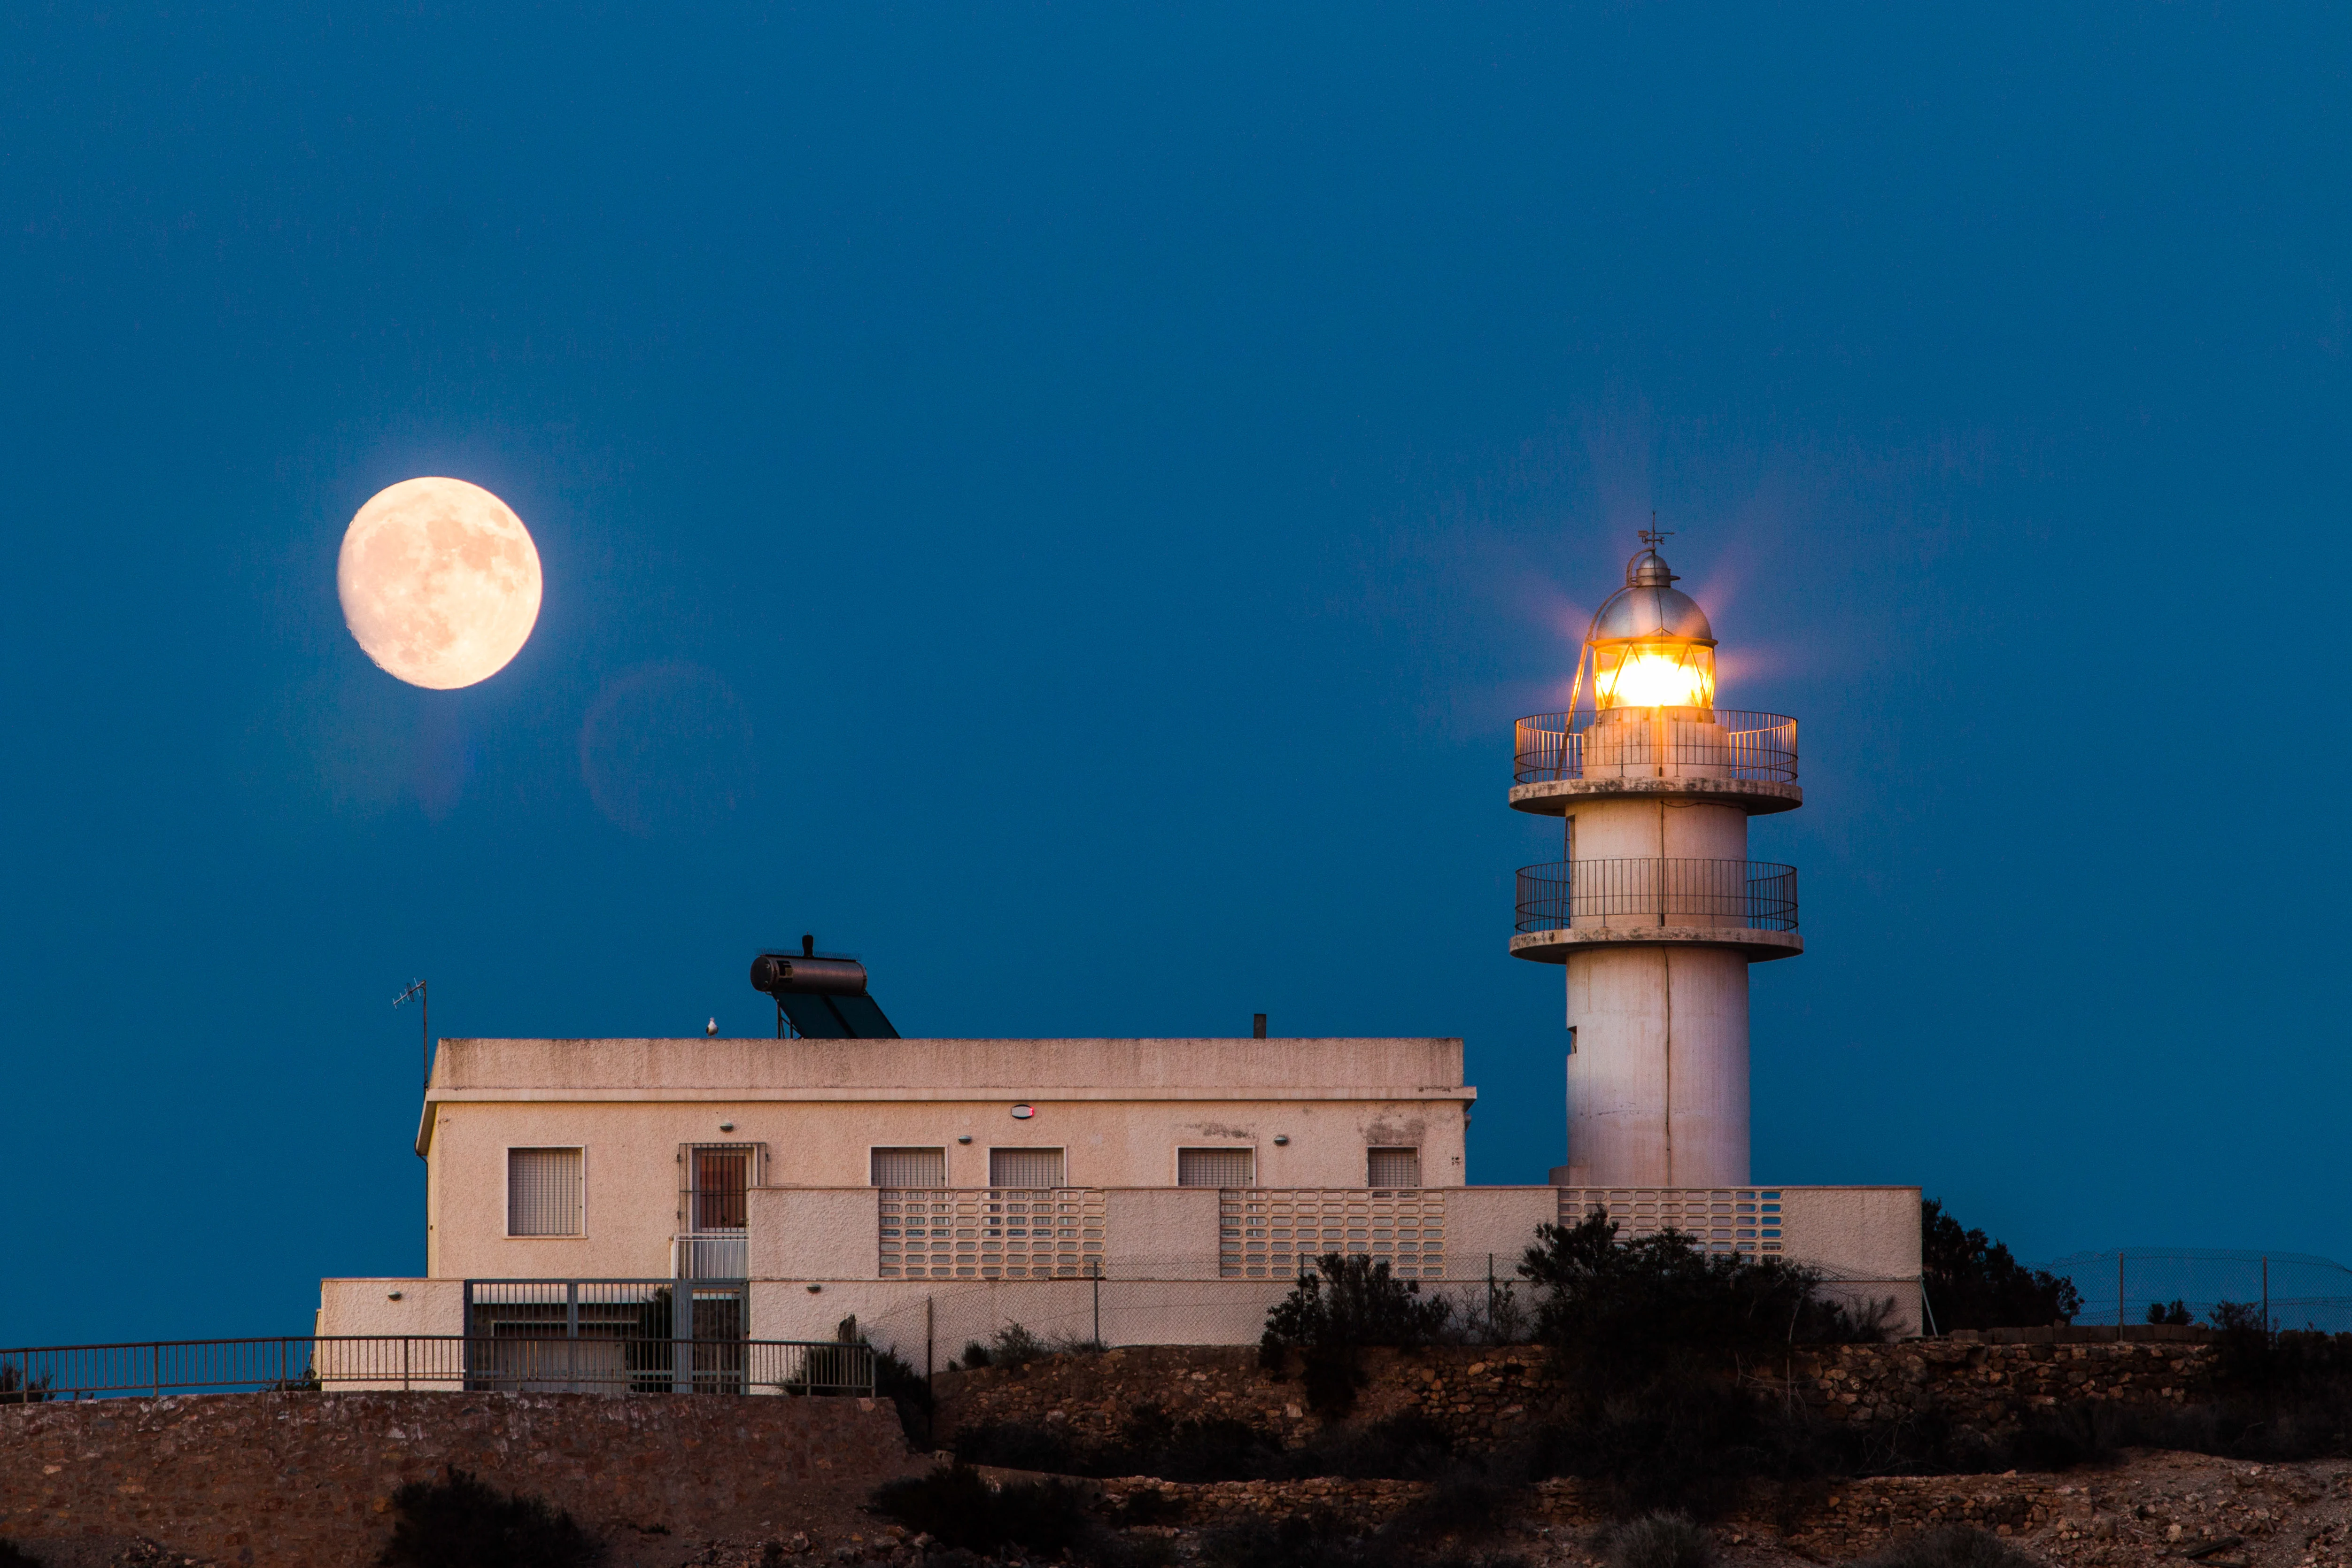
x=1655 y=677
x=1650 y=644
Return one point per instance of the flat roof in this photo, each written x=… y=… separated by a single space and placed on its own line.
x=698 y=1069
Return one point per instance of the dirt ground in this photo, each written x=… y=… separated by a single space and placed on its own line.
x=2152 y=1508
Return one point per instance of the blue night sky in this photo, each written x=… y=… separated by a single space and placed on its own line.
x=1066 y=502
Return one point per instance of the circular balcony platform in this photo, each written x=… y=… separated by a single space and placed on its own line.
x=1558 y=796
x=1567 y=905
x=1554 y=946
x=1725 y=755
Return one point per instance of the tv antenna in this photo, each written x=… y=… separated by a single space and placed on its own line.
x=424 y=1024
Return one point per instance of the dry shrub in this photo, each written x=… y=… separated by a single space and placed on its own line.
x=1661 y=1541
x=464 y=1523
x=1955 y=1546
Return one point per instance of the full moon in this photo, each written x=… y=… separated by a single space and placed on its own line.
x=439 y=583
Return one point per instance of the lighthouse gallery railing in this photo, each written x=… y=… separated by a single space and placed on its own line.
x=1758 y=746
x=1610 y=894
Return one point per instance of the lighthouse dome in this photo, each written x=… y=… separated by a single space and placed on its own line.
x=1649 y=607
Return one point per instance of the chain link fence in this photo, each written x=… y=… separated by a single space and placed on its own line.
x=1180 y=1302
x=2291 y=1290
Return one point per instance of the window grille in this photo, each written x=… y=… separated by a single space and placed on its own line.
x=713 y=1197
x=545 y=1192
x=910 y=1167
x=1216 y=1168
x=1024 y=1167
x=1392 y=1167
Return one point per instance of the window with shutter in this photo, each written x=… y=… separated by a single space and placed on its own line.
x=1024 y=1167
x=1392 y=1167
x=1216 y=1168
x=545 y=1192
x=910 y=1167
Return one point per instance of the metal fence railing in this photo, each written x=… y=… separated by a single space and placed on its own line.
x=2290 y=1290
x=1730 y=744
x=477 y=1364
x=1613 y=893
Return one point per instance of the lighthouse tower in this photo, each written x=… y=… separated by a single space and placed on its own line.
x=1653 y=908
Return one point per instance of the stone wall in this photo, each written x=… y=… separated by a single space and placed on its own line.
x=1994 y=1386
x=1482 y=1395
x=1473 y=1394
x=304 y=1480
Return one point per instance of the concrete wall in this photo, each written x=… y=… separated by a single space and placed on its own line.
x=1497 y=1222
x=990 y=1069
x=1658 y=827
x=1118 y=1109
x=369 y=1307
x=1866 y=1239
x=1657 y=1085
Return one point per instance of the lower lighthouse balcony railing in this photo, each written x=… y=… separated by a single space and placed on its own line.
x=1624 y=894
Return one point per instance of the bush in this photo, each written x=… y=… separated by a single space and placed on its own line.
x=1972 y=1282
x=1213 y=1448
x=1406 y=1447
x=909 y=1392
x=463 y=1522
x=1011 y=1345
x=2280 y=1396
x=1678 y=1446
x=1625 y=1313
x=18 y=1387
x=1461 y=1503
x=2176 y=1316
x=1336 y=1309
x=956 y=1507
x=1300 y=1540
x=1653 y=1334
x=1955 y=1546
x=1498 y=1317
x=1661 y=1541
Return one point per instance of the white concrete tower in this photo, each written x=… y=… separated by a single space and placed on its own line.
x=1655 y=908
